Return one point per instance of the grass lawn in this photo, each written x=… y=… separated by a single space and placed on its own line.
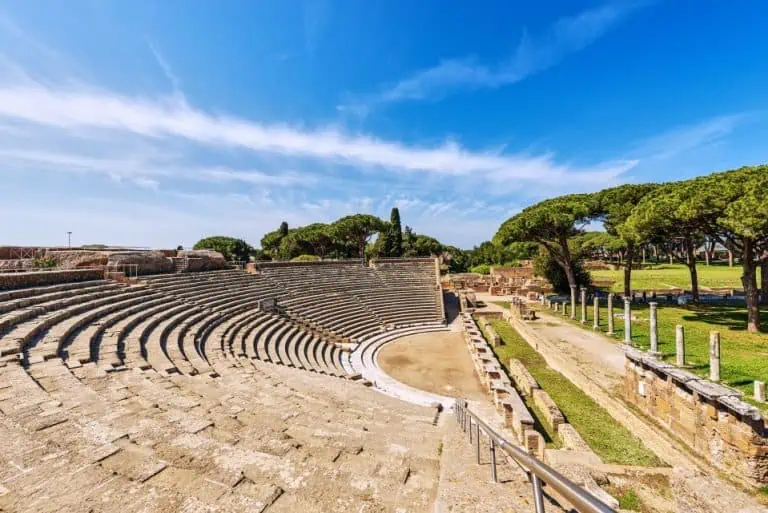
x=743 y=355
x=609 y=439
x=674 y=276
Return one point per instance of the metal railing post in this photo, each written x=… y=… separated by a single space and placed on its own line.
x=538 y=495
x=493 y=460
x=538 y=472
x=477 y=441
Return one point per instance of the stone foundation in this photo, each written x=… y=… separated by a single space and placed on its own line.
x=710 y=418
x=10 y=281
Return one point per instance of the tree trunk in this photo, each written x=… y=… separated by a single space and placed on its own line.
x=749 y=280
x=644 y=262
x=706 y=256
x=730 y=258
x=691 y=263
x=764 y=278
x=670 y=257
x=628 y=271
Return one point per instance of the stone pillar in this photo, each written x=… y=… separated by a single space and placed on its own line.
x=627 y=321
x=565 y=309
x=610 y=314
x=680 y=345
x=714 y=355
x=583 y=305
x=596 y=314
x=573 y=302
x=654 y=330
x=557 y=307
x=543 y=299
x=760 y=391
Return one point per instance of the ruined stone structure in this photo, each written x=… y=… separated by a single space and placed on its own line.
x=710 y=418
x=193 y=392
x=506 y=399
x=501 y=281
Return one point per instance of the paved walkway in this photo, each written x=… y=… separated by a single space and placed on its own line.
x=593 y=352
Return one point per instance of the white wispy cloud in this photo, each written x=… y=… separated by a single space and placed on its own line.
x=686 y=138
x=73 y=109
x=533 y=54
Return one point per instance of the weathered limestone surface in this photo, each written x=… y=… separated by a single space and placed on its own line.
x=522 y=378
x=548 y=408
x=710 y=418
x=148 y=262
x=18 y=280
x=571 y=438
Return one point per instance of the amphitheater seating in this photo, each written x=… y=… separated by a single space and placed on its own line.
x=181 y=394
x=352 y=301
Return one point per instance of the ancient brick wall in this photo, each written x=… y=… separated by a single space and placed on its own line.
x=709 y=418
x=19 y=280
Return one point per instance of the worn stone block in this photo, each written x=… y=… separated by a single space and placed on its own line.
x=571 y=438
x=548 y=408
x=522 y=378
x=533 y=443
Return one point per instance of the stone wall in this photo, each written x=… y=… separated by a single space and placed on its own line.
x=710 y=418
x=10 y=281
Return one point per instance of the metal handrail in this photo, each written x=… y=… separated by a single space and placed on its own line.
x=539 y=472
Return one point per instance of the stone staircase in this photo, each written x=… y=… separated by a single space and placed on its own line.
x=180 y=264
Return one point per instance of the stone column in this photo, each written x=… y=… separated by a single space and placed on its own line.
x=760 y=391
x=610 y=314
x=680 y=345
x=565 y=309
x=557 y=307
x=654 y=330
x=573 y=302
x=583 y=305
x=714 y=355
x=627 y=321
x=596 y=314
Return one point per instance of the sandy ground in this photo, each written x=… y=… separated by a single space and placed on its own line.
x=435 y=362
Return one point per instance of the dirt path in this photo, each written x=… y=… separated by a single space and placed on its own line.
x=435 y=362
x=592 y=352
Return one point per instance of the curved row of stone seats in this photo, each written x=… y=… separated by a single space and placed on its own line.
x=402 y=305
x=352 y=291
x=21 y=328
x=182 y=344
x=17 y=311
x=23 y=298
x=154 y=340
x=341 y=314
x=51 y=343
x=270 y=338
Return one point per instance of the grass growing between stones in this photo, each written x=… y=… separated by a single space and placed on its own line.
x=743 y=355
x=667 y=276
x=612 y=442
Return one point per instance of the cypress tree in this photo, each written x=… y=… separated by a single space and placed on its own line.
x=283 y=229
x=395 y=235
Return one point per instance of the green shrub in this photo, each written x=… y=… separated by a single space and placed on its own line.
x=305 y=258
x=46 y=262
x=482 y=269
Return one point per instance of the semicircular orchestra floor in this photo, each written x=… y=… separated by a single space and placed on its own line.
x=435 y=362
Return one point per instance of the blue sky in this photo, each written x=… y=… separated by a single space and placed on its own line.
x=156 y=123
